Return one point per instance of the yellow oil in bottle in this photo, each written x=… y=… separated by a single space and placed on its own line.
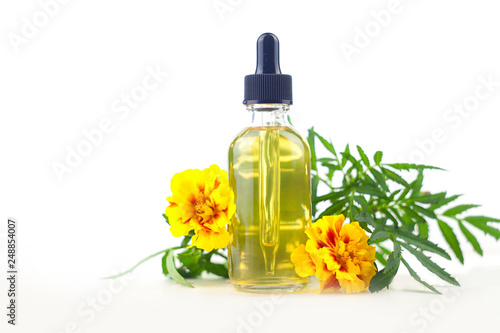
x=269 y=171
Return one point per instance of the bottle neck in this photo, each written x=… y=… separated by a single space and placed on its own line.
x=269 y=115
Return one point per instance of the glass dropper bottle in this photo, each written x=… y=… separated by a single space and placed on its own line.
x=269 y=171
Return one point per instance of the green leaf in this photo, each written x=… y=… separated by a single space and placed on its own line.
x=325 y=160
x=217 y=269
x=345 y=155
x=363 y=156
x=451 y=239
x=430 y=198
x=394 y=256
x=421 y=243
x=386 y=251
x=378 y=236
x=378 y=228
x=423 y=230
x=314 y=192
x=458 y=210
x=481 y=219
x=388 y=215
x=409 y=223
x=395 y=177
x=424 y=211
x=393 y=195
x=416 y=217
x=333 y=196
x=164 y=263
x=192 y=261
x=445 y=201
x=190 y=258
x=370 y=190
x=384 y=277
x=352 y=210
x=417 y=278
x=185 y=241
x=355 y=163
x=378 y=157
x=189 y=274
x=411 y=166
x=416 y=186
x=430 y=265
x=331 y=170
x=470 y=237
x=380 y=258
x=395 y=211
x=334 y=209
x=380 y=180
x=328 y=145
x=487 y=229
x=172 y=271
x=166 y=219
x=369 y=181
x=366 y=217
x=404 y=193
x=363 y=203
x=310 y=141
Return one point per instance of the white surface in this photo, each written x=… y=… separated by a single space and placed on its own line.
x=214 y=306
x=106 y=214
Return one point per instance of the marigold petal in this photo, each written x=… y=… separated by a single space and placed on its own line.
x=329 y=284
x=219 y=198
x=325 y=231
x=210 y=180
x=208 y=240
x=370 y=252
x=186 y=185
x=304 y=266
x=316 y=235
x=231 y=208
x=223 y=177
x=368 y=271
x=329 y=258
x=221 y=220
x=354 y=285
x=173 y=212
x=339 y=221
x=351 y=232
x=179 y=220
x=179 y=228
x=335 y=221
x=343 y=274
x=322 y=271
x=312 y=245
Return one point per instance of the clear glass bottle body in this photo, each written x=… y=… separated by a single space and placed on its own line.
x=269 y=171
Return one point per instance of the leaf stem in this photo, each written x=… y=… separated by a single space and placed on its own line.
x=220 y=254
x=141 y=262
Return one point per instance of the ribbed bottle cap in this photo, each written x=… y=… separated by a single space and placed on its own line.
x=268 y=85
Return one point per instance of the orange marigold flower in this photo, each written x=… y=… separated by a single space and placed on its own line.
x=337 y=254
x=201 y=201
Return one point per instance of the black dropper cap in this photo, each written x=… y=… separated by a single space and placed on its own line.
x=268 y=85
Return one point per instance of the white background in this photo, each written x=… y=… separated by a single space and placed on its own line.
x=105 y=215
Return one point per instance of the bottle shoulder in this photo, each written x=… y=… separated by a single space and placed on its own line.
x=287 y=133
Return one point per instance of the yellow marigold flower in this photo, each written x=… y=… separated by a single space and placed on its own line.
x=337 y=254
x=201 y=201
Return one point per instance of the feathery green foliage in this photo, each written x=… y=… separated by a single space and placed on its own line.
x=388 y=201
